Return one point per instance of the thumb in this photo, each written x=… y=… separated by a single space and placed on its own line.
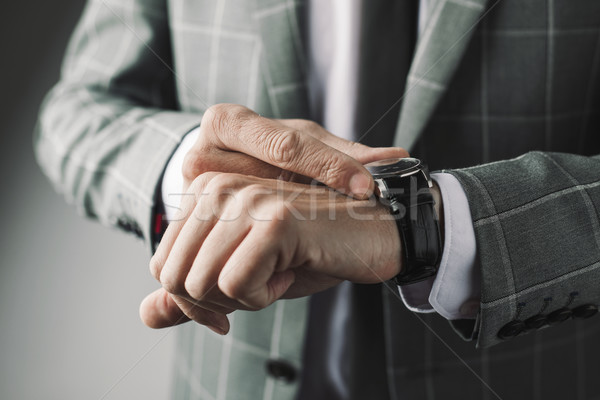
x=158 y=310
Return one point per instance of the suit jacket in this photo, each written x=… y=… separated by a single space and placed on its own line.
x=489 y=81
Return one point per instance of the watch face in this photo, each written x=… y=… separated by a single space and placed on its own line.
x=393 y=166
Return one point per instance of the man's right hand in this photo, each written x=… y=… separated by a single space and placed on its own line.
x=235 y=139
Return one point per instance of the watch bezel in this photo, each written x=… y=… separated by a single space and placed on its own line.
x=394 y=167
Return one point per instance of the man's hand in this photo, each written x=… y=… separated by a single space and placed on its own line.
x=235 y=139
x=243 y=242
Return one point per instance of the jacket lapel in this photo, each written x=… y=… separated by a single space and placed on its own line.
x=281 y=28
x=444 y=39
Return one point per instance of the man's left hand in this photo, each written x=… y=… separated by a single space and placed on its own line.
x=244 y=242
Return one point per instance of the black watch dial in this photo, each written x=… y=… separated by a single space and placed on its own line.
x=393 y=167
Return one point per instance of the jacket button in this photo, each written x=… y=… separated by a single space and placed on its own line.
x=585 y=311
x=137 y=230
x=281 y=370
x=124 y=224
x=536 y=322
x=560 y=315
x=511 y=329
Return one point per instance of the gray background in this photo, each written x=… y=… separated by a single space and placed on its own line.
x=69 y=288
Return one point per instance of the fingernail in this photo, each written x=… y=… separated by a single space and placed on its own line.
x=217 y=330
x=360 y=185
x=218 y=325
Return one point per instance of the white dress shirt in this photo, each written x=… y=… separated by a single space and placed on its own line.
x=455 y=291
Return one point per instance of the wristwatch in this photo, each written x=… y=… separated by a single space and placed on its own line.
x=403 y=185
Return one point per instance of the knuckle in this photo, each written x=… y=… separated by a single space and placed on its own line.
x=219 y=117
x=156 y=264
x=222 y=184
x=283 y=148
x=357 y=146
x=237 y=289
x=172 y=285
x=252 y=193
x=195 y=289
x=193 y=165
x=355 y=149
x=198 y=183
x=215 y=118
x=232 y=288
x=331 y=172
x=257 y=302
x=219 y=194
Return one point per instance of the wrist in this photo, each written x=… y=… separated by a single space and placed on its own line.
x=388 y=231
x=404 y=186
x=173 y=181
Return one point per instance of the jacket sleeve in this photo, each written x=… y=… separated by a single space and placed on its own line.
x=108 y=128
x=538 y=237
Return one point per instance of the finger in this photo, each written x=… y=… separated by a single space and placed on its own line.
x=377 y=153
x=185 y=248
x=199 y=161
x=218 y=323
x=211 y=210
x=187 y=206
x=255 y=274
x=218 y=302
x=158 y=310
x=239 y=129
x=218 y=246
x=362 y=153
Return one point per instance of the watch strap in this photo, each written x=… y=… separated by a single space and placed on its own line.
x=413 y=207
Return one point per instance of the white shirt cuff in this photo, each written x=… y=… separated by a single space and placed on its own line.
x=172 y=182
x=455 y=291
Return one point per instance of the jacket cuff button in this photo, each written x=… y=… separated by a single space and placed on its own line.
x=281 y=370
x=560 y=315
x=585 y=311
x=536 y=322
x=511 y=329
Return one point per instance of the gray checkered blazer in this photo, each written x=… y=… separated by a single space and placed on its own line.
x=489 y=81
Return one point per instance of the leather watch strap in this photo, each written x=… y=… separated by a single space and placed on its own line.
x=417 y=222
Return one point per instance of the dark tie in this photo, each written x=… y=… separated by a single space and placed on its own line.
x=389 y=31
x=388 y=35
x=345 y=349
